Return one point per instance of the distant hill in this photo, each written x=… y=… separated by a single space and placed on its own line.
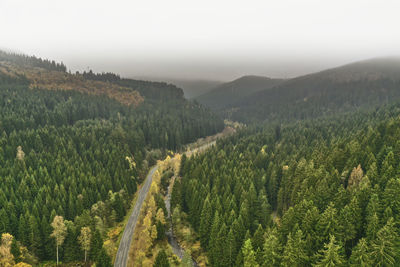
x=231 y=92
x=360 y=84
x=195 y=88
x=48 y=74
x=192 y=88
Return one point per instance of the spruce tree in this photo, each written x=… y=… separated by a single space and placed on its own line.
x=331 y=255
x=385 y=248
x=360 y=255
x=103 y=259
x=231 y=248
x=205 y=223
x=294 y=253
x=249 y=256
x=272 y=249
x=213 y=237
x=161 y=259
x=15 y=250
x=96 y=244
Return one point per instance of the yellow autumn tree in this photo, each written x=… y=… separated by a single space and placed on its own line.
x=22 y=264
x=355 y=177
x=84 y=239
x=160 y=216
x=146 y=236
x=6 y=257
x=59 y=231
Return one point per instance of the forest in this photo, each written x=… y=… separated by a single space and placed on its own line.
x=309 y=182
x=316 y=192
x=71 y=162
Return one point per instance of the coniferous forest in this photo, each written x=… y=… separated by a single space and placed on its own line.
x=79 y=156
x=320 y=192
x=309 y=182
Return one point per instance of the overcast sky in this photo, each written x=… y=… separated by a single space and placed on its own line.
x=207 y=39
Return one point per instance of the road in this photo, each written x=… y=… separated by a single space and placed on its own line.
x=176 y=248
x=121 y=259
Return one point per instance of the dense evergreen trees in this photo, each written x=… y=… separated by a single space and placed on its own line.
x=32 y=61
x=321 y=192
x=79 y=156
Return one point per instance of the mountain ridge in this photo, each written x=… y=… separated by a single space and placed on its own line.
x=230 y=92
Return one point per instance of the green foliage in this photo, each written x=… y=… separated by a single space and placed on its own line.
x=331 y=255
x=249 y=256
x=321 y=178
x=294 y=253
x=15 y=250
x=272 y=249
x=161 y=259
x=360 y=255
x=385 y=247
x=103 y=260
x=81 y=156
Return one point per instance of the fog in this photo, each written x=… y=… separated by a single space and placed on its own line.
x=217 y=40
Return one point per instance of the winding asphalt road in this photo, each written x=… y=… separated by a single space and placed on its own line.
x=121 y=259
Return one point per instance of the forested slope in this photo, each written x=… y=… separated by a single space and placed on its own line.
x=347 y=88
x=81 y=155
x=227 y=94
x=322 y=192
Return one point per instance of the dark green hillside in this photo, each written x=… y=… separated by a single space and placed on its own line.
x=81 y=156
x=361 y=84
x=300 y=194
x=227 y=94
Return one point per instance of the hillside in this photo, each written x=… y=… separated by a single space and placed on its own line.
x=231 y=92
x=191 y=87
x=73 y=150
x=360 y=84
x=195 y=88
x=322 y=192
x=58 y=79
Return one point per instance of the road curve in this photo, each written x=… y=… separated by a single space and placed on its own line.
x=121 y=259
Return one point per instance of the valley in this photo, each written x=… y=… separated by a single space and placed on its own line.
x=99 y=169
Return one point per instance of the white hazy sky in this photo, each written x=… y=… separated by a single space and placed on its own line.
x=208 y=39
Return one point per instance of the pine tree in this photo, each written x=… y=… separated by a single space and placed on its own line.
x=372 y=226
x=231 y=248
x=161 y=259
x=34 y=236
x=294 y=253
x=96 y=245
x=258 y=238
x=385 y=248
x=186 y=260
x=272 y=249
x=328 y=224
x=258 y=242
x=331 y=255
x=205 y=223
x=360 y=255
x=103 y=259
x=214 y=236
x=219 y=250
x=15 y=250
x=249 y=256
x=118 y=206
